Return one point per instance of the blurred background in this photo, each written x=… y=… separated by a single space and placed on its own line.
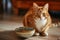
x=10 y=9
x=17 y=8
x=14 y=10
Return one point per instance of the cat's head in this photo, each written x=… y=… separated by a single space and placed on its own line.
x=40 y=10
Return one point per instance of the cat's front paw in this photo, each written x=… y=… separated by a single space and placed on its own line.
x=44 y=34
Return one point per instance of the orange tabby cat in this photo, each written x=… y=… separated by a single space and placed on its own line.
x=38 y=18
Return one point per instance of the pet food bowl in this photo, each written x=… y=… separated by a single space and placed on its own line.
x=25 y=32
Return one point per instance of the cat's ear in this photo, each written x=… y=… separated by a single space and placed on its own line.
x=46 y=6
x=35 y=5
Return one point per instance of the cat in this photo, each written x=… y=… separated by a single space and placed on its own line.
x=38 y=18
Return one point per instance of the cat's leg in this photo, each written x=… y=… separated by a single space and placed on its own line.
x=44 y=31
x=45 y=28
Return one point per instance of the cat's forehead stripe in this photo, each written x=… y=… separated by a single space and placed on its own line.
x=40 y=7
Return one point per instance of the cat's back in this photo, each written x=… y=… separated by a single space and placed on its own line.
x=28 y=19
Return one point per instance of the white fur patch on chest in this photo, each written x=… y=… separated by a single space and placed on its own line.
x=40 y=23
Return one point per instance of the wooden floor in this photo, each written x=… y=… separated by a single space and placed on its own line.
x=7 y=27
x=54 y=34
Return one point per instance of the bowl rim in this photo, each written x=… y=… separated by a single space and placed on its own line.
x=24 y=32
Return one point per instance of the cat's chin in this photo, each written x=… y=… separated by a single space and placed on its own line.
x=43 y=34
